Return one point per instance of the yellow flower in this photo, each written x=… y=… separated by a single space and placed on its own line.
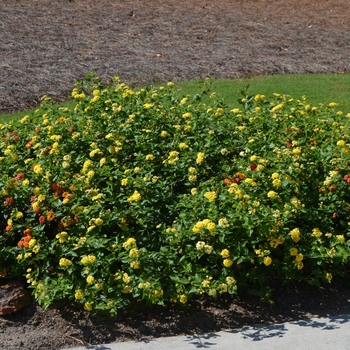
x=192 y=178
x=211 y=226
x=38 y=169
x=126 y=278
x=90 y=279
x=65 y=262
x=277 y=182
x=62 y=237
x=329 y=276
x=272 y=194
x=200 y=158
x=79 y=294
x=227 y=262
x=259 y=253
x=135 y=197
x=341 y=143
x=183 y=145
x=225 y=253
x=296 y=151
x=230 y=280
x=299 y=265
x=223 y=222
x=208 y=249
x=316 y=232
x=134 y=253
x=186 y=115
x=124 y=182
x=183 y=299
x=90 y=174
x=267 y=261
x=200 y=245
x=88 y=306
x=299 y=257
x=293 y=251
x=149 y=157
x=135 y=265
x=295 y=234
x=129 y=242
x=192 y=170
x=24 y=119
x=341 y=238
x=32 y=242
x=194 y=191
x=164 y=133
x=210 y=196
x=333 y=105
x=99 y=222
x=278 y=107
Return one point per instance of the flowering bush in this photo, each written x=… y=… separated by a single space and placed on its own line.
x=142 y=195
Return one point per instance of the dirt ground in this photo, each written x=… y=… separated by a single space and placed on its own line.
x=46 y=45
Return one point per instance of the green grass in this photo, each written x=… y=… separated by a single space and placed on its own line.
x=318 y=88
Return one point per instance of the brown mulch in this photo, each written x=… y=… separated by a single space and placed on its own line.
x=45 y=46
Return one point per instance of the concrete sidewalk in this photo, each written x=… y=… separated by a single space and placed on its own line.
x=310 y=334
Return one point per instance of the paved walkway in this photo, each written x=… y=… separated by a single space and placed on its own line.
x=331 y=333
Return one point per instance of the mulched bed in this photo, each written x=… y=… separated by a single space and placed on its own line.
x=45 y=46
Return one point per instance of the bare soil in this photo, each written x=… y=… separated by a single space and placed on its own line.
x=45 y=46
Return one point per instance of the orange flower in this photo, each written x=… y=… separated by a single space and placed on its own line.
x=56 y=187
x=227 y=181
x=27 y=231
x=50 y=216
x=241 y=175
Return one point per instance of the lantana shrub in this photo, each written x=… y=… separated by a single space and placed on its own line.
x=144 y=195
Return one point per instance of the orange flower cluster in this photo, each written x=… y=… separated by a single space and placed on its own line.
x=24 y=242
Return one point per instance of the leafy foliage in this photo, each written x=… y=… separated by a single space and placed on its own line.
x=144 y=195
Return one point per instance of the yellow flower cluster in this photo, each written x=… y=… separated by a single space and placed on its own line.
x=200 y=158
x=227 y=262
x=38 y=169
x=225 y=253
x=130 y=242
x=317 y=233
x=206 y=223
x=234 y=189
x=90 y=279
x=275 y=242
x=134 y=253
x=88 y=259
x=136 y=197
x=200 y=245
x=65 y=262
x=272 y=194
x=223 y=223
x=267 y=261
x=295 y=234
x=62 y=237
x=210 y=196
x=250 y=182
